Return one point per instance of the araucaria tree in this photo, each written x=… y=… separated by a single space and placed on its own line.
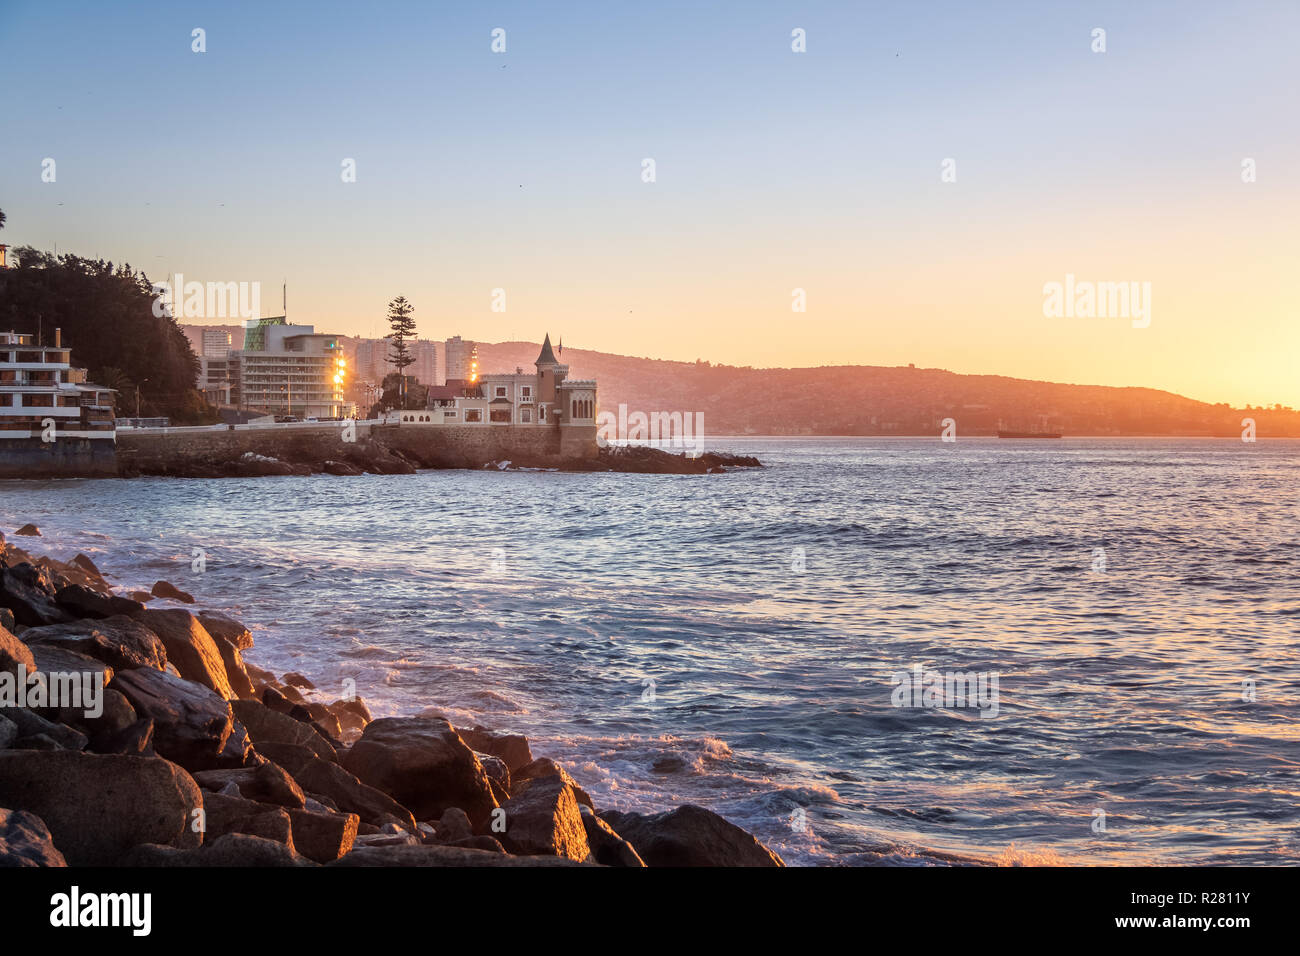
x=403 y=325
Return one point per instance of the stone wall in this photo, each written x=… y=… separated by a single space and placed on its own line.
x=62 y=458
x=178 y=450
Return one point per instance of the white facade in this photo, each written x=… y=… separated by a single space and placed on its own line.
x=39 y=387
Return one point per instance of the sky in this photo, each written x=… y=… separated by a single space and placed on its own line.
x=774 y=171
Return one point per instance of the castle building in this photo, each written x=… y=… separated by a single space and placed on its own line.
x=544 y=398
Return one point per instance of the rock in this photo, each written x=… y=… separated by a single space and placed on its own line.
x=512 y=748
x=85 y=602
x=88 y=566
x=546 y=767
x=260 y=676
x=223 y=626
x=278 y=702
x=25 y=841
x=454 y=825
x=230 y=850
x=496 y=769
x=236 y=673
x=189 y=647
x=385 y=838
x=234 y=814
x=324 y=719
x=7 y=621
x=97 y=807
x=422 y=764
x=191 y=723
x=433 y=855
x=351 y=795
x=266 y=783
x=297 y=680
x=479 y=843
x=607 y=847
x=353 y=715
x=119 y=641
x=8 y=731
x=29 y=530
x=340 y=468
x=266 y=726
x=51 y=659
x=28 y=591
x=543 y=818
x=32 y=726
x=163 y=589
x=689 y=836
x=323 y=837
x=15 y=655
x=135 y=740
x=116 y=714
x=292 y=757
x=144 y=597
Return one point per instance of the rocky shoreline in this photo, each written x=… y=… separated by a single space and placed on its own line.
x=373 y=456
x=199 y=758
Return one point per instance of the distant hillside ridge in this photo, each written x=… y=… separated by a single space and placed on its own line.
x=878 y=400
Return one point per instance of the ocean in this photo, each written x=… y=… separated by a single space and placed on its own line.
x=735 y=640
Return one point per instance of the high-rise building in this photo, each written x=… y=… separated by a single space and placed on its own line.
x=289 y=370
x=216 y=344
x=373 y=360
x=460 y=358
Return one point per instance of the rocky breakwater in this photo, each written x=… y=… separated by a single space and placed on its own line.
x=181 y=753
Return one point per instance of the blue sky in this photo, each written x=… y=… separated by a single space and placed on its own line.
x=775 y=170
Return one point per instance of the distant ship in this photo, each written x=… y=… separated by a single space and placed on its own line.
x=1006 y=434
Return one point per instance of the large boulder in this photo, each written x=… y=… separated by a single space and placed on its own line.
x=51 y=660
x=323 y=837
x=29 y=591
x=689 y=836
x=192 y=724
x=189 y=647
x=230 y=850
x=15 y=655
x=434 y=855
x=224 y=813
x=546 y=767
x=512 y=748
x=351 y=795
x=422 y=763
x=264 y=725
x=236 y=673
x=607 y=847
x=96 y=806
x=25 y=841
x=223 y=625
x=165 y=589
x=87 y=602
x=35 y=732
x=265 y=783
x=543 y=818
x=119 y=641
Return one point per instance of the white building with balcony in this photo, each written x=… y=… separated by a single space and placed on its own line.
x=40 y=390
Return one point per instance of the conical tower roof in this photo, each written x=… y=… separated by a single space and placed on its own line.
x=547 y=357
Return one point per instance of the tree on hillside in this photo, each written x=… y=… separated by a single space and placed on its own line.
x=400 y=320
x=107 y=316
x=2 y=218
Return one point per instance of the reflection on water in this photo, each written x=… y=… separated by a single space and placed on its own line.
x=652 y=630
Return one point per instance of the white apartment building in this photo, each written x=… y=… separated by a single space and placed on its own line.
x=39 y=386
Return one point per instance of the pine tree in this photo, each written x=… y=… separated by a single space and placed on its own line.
x=403 y=325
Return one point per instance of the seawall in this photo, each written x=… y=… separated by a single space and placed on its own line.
x=185 y=450
x=62 y=458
